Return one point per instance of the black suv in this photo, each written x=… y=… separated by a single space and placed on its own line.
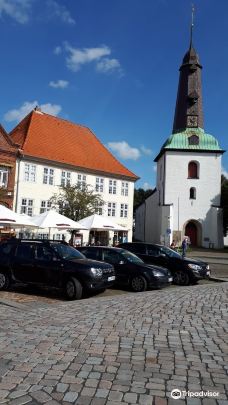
x=185 y=270
x=52 y=264
x=130 y=269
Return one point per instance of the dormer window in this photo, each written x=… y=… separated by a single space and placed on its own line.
x=4 y=173
x=193 y=140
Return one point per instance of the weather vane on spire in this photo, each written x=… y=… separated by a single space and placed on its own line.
x=192 y=24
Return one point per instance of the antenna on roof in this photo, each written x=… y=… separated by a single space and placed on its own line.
x=192 y=24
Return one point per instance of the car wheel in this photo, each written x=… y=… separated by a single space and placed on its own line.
x=176 y=277
x=4 y=281
x=73 y=289
x=138 y=284
x=184 y=278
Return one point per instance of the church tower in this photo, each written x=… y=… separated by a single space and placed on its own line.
x=186 y=201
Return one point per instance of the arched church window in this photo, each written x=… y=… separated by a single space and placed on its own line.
x=193 y=170
x=193 y=140
x=192 y=193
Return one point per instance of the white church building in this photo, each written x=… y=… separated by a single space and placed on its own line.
x=186 y=200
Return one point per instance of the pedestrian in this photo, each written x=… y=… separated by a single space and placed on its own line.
x=173 y=245
x=184 y=247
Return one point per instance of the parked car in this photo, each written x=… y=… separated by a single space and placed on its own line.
x=185 y=270
x=130 y=269
x=52 y=264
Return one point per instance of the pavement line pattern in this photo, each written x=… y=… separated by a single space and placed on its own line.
x=130 y=349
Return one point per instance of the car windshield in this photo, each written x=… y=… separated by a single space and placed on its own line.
x=130 y=257
x=170 y=252
x=66 y=251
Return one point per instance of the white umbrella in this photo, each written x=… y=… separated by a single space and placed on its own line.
x=52 y=219
x=12 y=219
x=100 y=223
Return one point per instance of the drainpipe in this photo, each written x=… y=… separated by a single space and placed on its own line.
x=18 y=181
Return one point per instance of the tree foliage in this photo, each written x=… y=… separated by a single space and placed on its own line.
x=140 y=195
x=76 y=202
x=224 y=203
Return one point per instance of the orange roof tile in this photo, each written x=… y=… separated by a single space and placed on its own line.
x=44 y=136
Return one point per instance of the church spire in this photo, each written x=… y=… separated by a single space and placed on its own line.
x=189 y=111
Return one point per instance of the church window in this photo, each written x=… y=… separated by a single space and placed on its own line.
x=193 y=170
x=192 y=193
x=193 y=140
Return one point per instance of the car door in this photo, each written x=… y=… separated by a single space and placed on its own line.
x=48 y=267
x=23 y=264
x=121 y=267
x=156 y=255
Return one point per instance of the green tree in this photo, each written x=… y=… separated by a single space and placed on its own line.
x=76 y=202
x=140 y=195
x=224 y=203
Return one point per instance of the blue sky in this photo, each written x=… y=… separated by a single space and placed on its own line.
x=113 y=65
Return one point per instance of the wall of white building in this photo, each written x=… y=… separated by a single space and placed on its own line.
x=32 y=194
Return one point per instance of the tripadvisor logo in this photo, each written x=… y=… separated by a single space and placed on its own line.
x=175 y=394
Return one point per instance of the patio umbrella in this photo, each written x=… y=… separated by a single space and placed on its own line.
x=13 y=220
x=100 y=223
x=52 y=219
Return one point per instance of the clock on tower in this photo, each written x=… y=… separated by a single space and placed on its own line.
x=192 y=121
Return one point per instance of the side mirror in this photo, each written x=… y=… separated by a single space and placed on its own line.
x=162 y=255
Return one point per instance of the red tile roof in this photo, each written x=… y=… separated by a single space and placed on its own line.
x=43 y=136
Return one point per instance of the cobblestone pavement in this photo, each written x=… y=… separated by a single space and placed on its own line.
x=127 y=349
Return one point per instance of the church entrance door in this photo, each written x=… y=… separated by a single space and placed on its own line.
x=191 y=232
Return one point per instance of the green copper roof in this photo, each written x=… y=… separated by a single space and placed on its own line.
x=181 y=140
x=191 y=139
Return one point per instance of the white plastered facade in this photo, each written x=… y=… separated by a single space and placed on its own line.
x=37 y=191
x=166 y=213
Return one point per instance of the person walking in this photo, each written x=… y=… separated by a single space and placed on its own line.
x=184 y=247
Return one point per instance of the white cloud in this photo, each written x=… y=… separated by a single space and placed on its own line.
x=59 y=84
x=146 y=151
x=155 y=168
x=79 y=57
x=60 y=12
x=57 y=50
x=124 y=151
x=19 y=10
x=27 y=107
x=107 y=65
x=147 y=186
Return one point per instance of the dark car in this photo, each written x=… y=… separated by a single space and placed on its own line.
x=185 y=270
x=52 y=264
x=130 y=269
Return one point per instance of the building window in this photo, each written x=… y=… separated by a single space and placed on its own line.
x=65 y=178
x=112 y=187
x=45 y=206
x=99 y=185
x=3 y=176
x=192 y=193
x=30 y=172
x=82 y=181
x=123 y=210
x=27 y=206
x=111 y=209
x=193 y=140
x=48 y=177
x=193 y=170
x=124 y=188
x=99 y=208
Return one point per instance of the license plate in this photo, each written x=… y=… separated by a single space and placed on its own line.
x=112 y=278
x=208 y=273
x=170 y=279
